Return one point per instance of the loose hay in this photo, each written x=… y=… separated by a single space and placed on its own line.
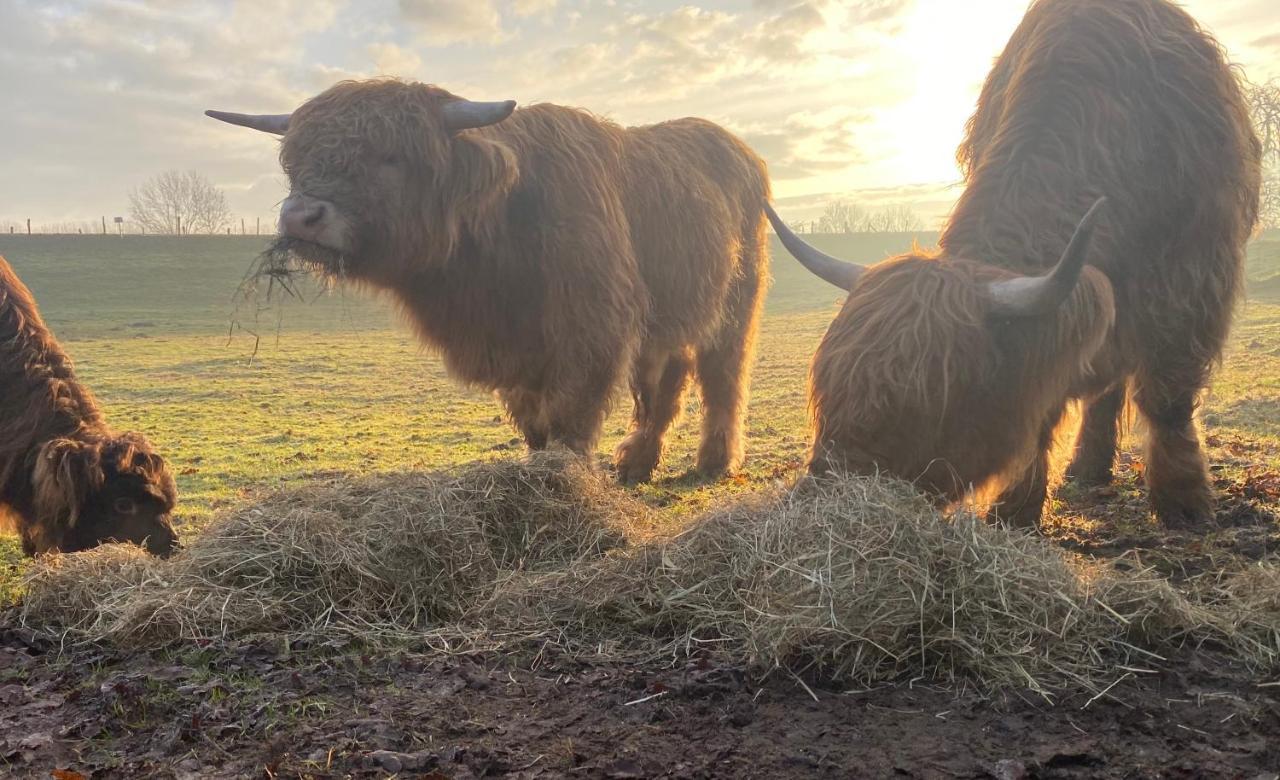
x=861 y=580
x=850 y=579
x=386 y=557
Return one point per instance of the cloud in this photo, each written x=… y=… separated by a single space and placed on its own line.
x=392 y=60
x=532 y=7
x=808 y=144
x=1267 y=42
x=452 y=21
x=102 y=94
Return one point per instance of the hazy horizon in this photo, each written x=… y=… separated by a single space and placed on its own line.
x=862 y=101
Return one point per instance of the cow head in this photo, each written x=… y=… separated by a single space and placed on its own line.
x=92 y=491
x=383 y=176
x=943 y=370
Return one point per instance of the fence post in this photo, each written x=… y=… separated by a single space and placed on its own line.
x=179 y=225
x=257 y=227
x=28 y=225
x=104 y=225
x=242 y=226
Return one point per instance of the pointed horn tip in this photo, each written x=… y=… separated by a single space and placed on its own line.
x=1094 y=210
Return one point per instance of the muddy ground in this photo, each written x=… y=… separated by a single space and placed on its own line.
x=266 y=710
x=250 y=711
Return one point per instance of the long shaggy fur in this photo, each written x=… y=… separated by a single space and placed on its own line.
x=64 y=474
x=1124 y=98
x=550 y=255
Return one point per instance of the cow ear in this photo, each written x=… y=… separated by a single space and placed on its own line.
x=66 y=472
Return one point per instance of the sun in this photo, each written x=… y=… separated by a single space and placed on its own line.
x=948 y=48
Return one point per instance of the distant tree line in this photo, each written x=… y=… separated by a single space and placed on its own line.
x=841 y=216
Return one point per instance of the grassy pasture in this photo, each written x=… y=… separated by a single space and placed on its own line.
x=241 y=400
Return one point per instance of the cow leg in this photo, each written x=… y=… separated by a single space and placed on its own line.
x=657 y=385
x=724 y=373
x=528 y=413
x=1176 y=472
x=1022 y=503
x=1095 y=451
x=577 y=407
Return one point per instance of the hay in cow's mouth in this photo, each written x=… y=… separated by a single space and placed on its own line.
x=279 y=275
x=277 y=270
x=848 y=579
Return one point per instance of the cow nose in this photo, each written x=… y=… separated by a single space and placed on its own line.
x=303 y=218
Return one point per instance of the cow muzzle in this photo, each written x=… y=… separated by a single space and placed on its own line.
x=314 y=221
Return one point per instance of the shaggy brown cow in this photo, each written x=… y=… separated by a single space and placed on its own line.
x=544 y=252
x=66 y=480
x=953 y=368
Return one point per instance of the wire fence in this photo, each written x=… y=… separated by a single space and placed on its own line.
x=120 y=226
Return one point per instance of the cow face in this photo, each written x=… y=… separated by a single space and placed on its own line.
x=93 y=492
x=921 y=376
x=944 y=370
x=383 y=176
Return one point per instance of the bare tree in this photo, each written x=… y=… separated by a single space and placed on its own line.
x=901 y=219
x=844 y=217
x=179 y=201
x=840 y=217
x=1264 y=105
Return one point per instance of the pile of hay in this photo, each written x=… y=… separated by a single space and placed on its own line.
x=862 y=581
x=851 y=579
x=385 y=557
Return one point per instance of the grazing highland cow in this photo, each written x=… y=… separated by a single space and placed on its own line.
x=953 y=368
x=544 y=252
x=66 y=480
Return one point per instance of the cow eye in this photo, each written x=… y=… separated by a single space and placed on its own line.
x=126 y=506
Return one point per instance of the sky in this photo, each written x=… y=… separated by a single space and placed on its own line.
x=862 y=101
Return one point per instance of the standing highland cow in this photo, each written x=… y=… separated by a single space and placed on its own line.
x=544 y=252
x=953 y=368
x=67 y=480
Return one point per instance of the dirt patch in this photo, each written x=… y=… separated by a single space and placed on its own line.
x=1114 y=522
x=255 y=711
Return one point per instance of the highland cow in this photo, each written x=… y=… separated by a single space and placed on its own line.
x=67 y=481
x=953 y=368
x=544 y=252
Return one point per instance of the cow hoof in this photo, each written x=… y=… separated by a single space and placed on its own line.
x=1194 y=513
x=1025 y=519
x=1088 y=476
x=635 y=461
x=634 y=476
x=1194 y=521
x=715 y=461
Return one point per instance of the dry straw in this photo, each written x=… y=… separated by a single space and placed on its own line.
x=851 y=579
x=380 y=558
x=861 y=580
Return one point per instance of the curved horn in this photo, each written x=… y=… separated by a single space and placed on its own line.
x=1028 y=296
x=267 y=123
x=465 y=114
x=838 y=272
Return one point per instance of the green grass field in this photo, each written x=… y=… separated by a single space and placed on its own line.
x=240 y=400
